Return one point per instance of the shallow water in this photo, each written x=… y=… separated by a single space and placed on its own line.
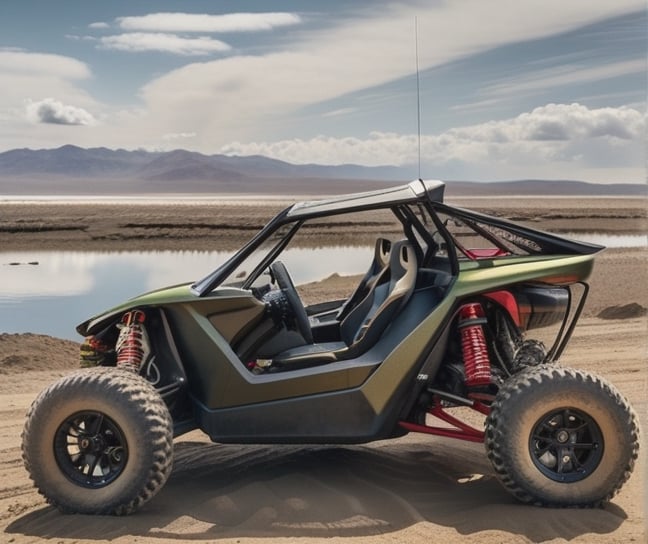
x=65 y=288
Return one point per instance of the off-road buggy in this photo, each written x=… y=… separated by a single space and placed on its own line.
x=456 y=312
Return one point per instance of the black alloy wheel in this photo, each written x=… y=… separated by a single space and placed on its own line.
x=90 y=449
x=566 y=445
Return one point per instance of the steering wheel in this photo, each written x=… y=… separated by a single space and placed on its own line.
x=285 y=283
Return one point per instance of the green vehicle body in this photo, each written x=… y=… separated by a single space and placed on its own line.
x=305 y=405
x=456 y=309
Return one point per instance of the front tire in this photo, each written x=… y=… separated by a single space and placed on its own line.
x=561 y=437
x=99 y=441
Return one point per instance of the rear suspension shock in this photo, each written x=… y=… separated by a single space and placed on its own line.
x=473 y=345
x=132 y=346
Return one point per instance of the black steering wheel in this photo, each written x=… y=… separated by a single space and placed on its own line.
x=285 y=283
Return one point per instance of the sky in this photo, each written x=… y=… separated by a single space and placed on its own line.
x=543 y=89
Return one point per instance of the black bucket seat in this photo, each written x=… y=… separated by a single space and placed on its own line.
x=367 y=321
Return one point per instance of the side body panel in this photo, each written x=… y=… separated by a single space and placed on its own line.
x=348 y=401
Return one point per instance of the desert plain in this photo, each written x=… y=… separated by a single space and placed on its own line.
x=411 y=490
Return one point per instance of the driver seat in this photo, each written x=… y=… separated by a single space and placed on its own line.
x=378 y=265
x=365 y=323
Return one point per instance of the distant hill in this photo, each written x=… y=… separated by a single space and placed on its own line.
x=72 y=170
x=533 y=187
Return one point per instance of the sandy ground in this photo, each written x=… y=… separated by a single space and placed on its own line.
x=412 y=490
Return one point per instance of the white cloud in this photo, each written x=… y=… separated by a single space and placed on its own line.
x=99 y=25
x=136 y=42
x=78 y=38
x=571 y=135
x=42 y=64
x=252 y=93
x=574 y=121
x=339 y=112
x=200 y=22
x=568 y=74
x=546 y=80
x=179 y=135
x=54 y=112
x=25 y=75
x=26 y=79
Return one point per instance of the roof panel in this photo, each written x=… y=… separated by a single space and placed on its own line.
x=416 y=190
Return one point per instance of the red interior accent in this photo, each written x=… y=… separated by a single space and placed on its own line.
x=485 y=253
x=508 y=302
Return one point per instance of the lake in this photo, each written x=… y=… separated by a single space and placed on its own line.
x=65 y=288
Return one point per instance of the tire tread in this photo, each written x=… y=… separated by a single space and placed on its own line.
x=500 y=416
x=144 y=402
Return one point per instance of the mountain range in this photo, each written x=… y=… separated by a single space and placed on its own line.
x=72 y=170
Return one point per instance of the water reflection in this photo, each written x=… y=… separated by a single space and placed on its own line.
x=67 y=287
x=65 y=273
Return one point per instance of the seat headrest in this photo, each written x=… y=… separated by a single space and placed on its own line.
x=402 y=258
x=382 y=251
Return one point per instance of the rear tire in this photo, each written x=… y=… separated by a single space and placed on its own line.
x=561 y=437
x=99 y=441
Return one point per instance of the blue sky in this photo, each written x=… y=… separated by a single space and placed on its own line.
x=508 y=89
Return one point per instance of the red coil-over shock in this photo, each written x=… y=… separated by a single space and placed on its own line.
x=473 y=345
x=132 y=346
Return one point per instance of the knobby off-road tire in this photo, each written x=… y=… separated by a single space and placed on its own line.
x=561 y=437
x=98 y=441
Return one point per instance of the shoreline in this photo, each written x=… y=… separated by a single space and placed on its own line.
x=620 y=275
x=226 y=224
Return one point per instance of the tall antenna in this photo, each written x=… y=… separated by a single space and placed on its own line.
x=418 y=96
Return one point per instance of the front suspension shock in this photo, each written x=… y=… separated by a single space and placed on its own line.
x=133 y=347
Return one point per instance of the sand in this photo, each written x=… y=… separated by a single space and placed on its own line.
x=412 y=490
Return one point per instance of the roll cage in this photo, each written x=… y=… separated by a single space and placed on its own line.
x=417 y=192
x=419 y=208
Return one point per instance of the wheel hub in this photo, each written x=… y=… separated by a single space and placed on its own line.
x=91 y=444
x=566 y=445
x=90 y=449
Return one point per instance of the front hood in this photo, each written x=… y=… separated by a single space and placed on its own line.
x=160 y=297
x=167 y=296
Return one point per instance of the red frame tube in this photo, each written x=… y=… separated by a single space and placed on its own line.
x=459 y=429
